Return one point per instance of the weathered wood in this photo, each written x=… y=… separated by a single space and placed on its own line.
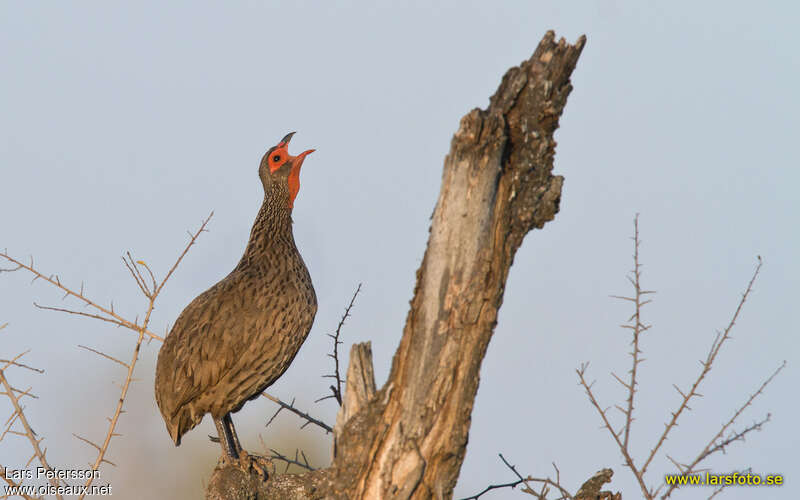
x=409 y=441
x=359 y=388
x=497 y=186
x=591 y=489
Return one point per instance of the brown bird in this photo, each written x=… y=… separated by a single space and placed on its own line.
x=236 y=338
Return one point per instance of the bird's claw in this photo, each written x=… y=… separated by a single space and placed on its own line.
x=255 y=462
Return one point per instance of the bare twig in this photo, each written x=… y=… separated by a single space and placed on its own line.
x=19 y=415
x=637 y=328
x=622 y=436
x=107 y=313
x=296 y=461
x=719 y=490
x=716 y=346
x=103 y=449
x=337 y=389
x=113 y=317
x=192 y=241
x=150 y=289
x=104 y=355
x=2 y=270
x=142 y=329
x=281 y=406
x=274 y=454
x=290 y=406
x=135 y=274
x=11 y=483
x=542 y=494
x=717 y=443
x=512 y=485
x=14 y=362
x=88 y=315
x=615 y=434
x=22 y=394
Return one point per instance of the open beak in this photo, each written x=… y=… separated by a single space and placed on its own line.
x=286 y=139
x=294 y=173
x=299 y=158
x=303 y=155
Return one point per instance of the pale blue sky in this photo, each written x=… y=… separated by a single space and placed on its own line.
x=122 y=126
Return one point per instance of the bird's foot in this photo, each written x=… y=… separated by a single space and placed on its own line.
x=226 y=459
x=261 y=465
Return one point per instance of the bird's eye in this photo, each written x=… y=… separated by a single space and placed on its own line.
x=277 y=157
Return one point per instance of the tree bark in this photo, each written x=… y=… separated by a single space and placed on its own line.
x=359 y=389
x=409 y=439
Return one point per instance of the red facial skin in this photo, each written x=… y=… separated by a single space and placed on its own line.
x=278 y=157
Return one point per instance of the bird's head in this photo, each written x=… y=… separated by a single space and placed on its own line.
x=280 y=171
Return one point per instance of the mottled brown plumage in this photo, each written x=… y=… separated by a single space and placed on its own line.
x=236 y=338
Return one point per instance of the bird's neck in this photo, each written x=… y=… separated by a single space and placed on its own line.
x=272 y=230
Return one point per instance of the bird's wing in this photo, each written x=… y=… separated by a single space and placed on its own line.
x=211 y=336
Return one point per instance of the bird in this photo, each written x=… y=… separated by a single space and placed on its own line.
x=238 y=337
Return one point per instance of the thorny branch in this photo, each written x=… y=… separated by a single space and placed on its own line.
x=99 y=353
x=276 y=455
x=152 y=295
x=716 y=346
x=637 y=328
x=622 y=437
x=18 y=415
x=541 y=494
x=110 y=315
x=717 y=443
x=512 y=484
x=719 y=490
x=10 y=482
x=13 y=362
x=103 y=449
x=337 y=389
x=290 y=406
x=607 y=424
x=151 y=290
x=107 y=313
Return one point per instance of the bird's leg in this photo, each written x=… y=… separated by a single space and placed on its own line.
x=227 y=421
x=226 y=439
x=245 y=459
